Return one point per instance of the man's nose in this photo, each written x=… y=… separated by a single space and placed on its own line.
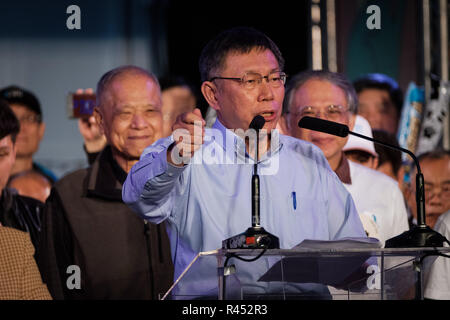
x=321 y=115
x=265 y=90
x=139 y=122
x=435 y=195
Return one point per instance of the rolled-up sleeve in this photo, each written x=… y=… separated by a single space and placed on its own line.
x=150 y=183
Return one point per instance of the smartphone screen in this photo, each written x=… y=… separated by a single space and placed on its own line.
x=80 y=105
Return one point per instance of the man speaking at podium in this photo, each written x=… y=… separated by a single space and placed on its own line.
x=199 y=180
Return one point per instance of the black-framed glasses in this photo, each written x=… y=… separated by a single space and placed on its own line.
x=250 y=80
x=443 y=189
x=29 y=119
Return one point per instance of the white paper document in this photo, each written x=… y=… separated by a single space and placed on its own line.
x=334 y=270
x=341 y=244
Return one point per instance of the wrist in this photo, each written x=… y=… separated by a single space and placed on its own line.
x=173 y=152
x=95 y=145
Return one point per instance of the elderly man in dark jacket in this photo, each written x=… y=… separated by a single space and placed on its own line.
x=93 y=245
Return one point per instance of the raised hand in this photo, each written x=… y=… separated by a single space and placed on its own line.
x=94 y=140
x=188 y=133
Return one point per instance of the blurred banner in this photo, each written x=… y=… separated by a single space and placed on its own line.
x=408 y=131
x=432 y=128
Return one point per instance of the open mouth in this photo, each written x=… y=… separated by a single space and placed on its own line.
x=268 y=116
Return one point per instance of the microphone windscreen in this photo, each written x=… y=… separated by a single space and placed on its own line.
x=257 y=122
x=330 y=127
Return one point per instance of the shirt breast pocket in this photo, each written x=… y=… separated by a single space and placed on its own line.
x=308 y=215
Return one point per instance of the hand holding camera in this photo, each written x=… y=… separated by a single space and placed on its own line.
x=82 y=104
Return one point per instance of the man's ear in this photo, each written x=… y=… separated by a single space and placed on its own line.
x=41 y=130
x=400 y=178
x=14 y=151
x=99 y=119
x=209 y=91
x=375 y=163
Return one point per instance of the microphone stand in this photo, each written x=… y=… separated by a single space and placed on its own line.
x=255 y=190
x=255 y=237
x=420 y=235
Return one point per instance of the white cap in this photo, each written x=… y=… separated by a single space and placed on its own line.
x=362 y=126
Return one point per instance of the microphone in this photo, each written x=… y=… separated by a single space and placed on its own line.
x=325 y=126
x=420 y=235
x=254 y=237
x=256 y=124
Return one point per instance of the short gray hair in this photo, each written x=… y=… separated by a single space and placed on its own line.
x=240 y=40
x=436 y=154
x=109 y=76
x=334 y=78
x=433 y=155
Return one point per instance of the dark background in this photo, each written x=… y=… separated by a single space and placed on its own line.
x=190 y=24
x=38 y=51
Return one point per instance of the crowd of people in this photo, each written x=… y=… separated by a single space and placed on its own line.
x=147 y=204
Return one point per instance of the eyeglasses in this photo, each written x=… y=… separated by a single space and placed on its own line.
x=29 y=119
x=332 y=112
x=250 y=80
x=443 y=190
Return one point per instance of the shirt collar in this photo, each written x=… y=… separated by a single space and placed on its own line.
x=343 y=170
x=106 y=177
x=232 y=141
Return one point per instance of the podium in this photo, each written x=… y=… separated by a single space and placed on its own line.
x=317 y=274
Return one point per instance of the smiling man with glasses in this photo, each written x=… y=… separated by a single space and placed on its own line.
x=331 y=96
x=323 y=95
x=435 y=167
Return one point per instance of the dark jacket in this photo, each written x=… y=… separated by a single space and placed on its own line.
x=120 y=256
x=22 y=213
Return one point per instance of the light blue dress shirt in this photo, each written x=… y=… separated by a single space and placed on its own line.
x=209 y=200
